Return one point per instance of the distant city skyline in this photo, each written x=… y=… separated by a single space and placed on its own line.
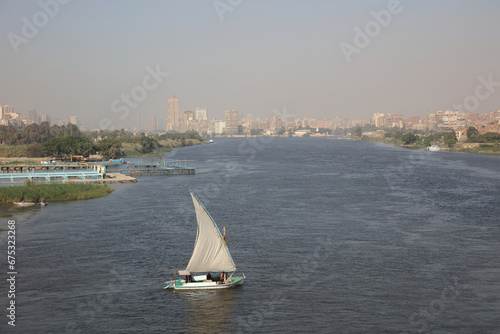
x=323 y=60
x=236 y=123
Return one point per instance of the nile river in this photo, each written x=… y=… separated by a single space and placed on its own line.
x=334 y=237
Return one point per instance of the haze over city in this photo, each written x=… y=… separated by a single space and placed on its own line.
x=318 y=59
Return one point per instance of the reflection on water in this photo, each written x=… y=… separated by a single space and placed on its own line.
x=10 y=211
x=209 y=311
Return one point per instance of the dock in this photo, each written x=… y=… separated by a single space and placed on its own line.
x=161 y=168
x=100 y=172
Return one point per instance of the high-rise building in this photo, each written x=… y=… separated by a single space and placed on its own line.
x=173 y=114
x=378 y=120
x=8 y=109
x=43 y=118
x=448 y=120
x=430 y=122
x=32 y=117
x=277 y=123
x=187 y=118
x=337 y=122
x=201 y=114
x=232 y=122
x=152 y=123
x=494 y=116
x=73 y=120
x=445 y=120
x=393 y=120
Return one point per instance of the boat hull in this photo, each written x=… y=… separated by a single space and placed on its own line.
x=24 y=203
x=434 y=148
x=182 y=285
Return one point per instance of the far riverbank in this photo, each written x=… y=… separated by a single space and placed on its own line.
x=460 y=147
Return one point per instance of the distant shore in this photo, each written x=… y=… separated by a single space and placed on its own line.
x=460 y=147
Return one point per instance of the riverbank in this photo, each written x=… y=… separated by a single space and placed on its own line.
x=53 y=192
x=477 y=148
x=127 y=147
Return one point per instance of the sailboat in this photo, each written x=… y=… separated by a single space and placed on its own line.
x=210 y=255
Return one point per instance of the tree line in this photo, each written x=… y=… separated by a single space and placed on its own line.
x=57 y=141
x=35 y=133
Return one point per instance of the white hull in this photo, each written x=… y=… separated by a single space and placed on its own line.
x=24 y=203
x=206 y=285
x=434 y=148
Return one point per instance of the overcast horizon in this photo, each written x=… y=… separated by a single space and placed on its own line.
x=319 y=59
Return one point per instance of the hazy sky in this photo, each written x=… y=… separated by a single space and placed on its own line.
x=252 y=55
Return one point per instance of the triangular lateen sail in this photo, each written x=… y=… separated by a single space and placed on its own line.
x=210 y=252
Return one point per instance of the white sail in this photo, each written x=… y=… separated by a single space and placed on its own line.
x=210 y=251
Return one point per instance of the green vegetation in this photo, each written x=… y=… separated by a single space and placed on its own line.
x=493 y=149
x=53 y=192
x=472 y=133
x=489 y=137
x=488 y=143
x=62 y=141
x=35 y=133
x=256 y=132
x=358 y=132
x=13 y=151
x=67 y=145
x=409 y=138
x=150 y=146
x=109 y=148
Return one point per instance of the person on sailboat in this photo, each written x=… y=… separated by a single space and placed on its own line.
x=209 y=277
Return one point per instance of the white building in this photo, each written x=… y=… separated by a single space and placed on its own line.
x=201 y=114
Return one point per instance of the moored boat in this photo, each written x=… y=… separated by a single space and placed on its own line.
x=434 y=148
x=23 y=203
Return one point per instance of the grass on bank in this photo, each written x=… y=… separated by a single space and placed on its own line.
x=53 y=192
x=10 y=151
x=132 y=150
x=492 y=149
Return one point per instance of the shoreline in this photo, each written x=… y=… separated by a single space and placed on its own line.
x=469 y=150
x=53 y=192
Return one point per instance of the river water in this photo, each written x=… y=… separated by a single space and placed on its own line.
x=334 y=237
